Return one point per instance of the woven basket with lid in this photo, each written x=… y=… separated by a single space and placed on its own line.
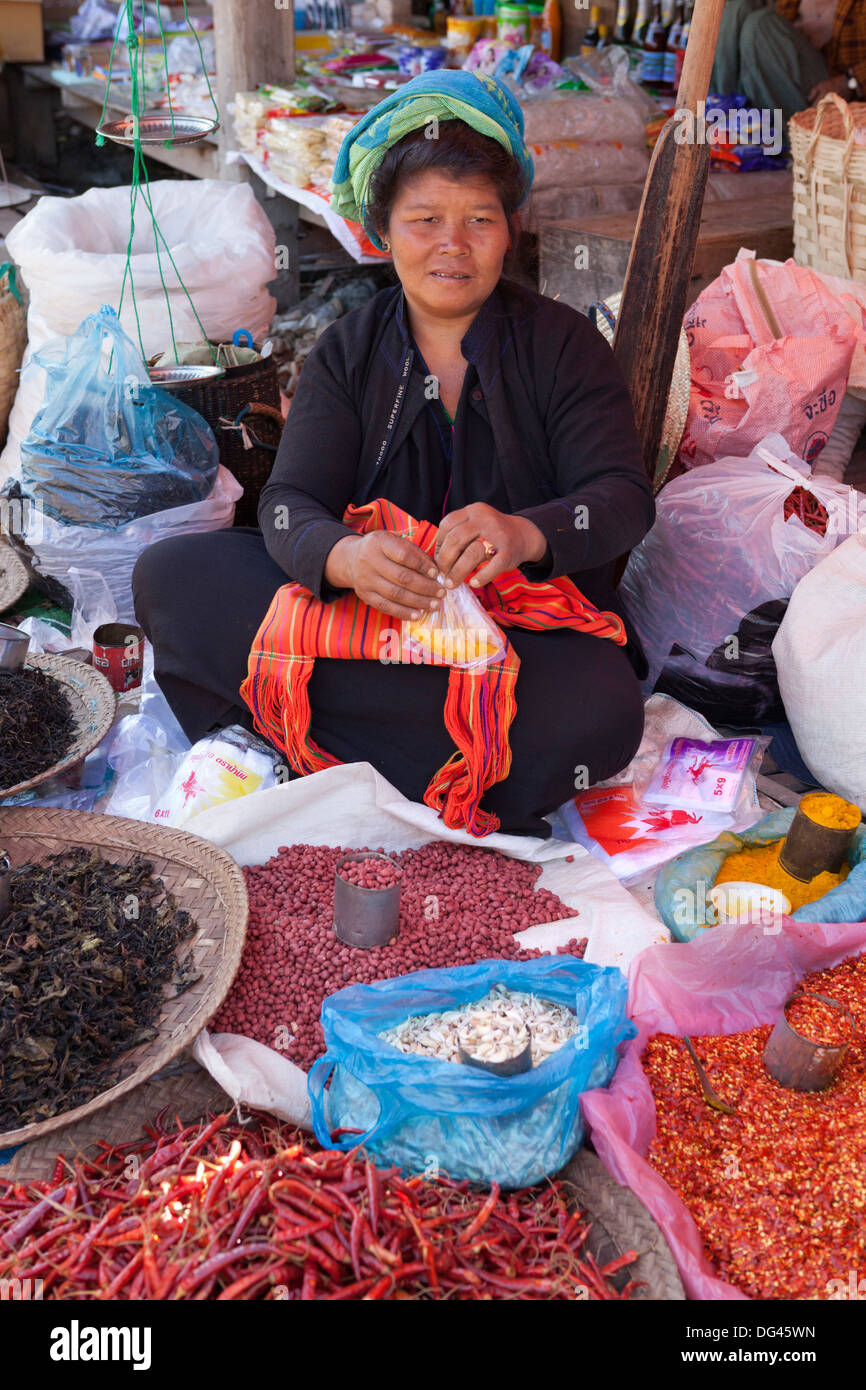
x=828 y=146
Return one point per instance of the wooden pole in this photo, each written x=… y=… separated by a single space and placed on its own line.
x=255 y=43
x=660 y=265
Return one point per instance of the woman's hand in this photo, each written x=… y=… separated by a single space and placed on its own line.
x=386 y=571
x=460 y=546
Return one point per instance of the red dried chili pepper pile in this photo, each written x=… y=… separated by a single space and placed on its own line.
x=778 y=1191
x=227 y=1211
x=819 y=1022
x=806 y=506
x=457 y=906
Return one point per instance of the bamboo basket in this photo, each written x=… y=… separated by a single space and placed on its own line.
x=14 y=579
x=13 y=340
x=93 y=710
x=204 y=880
x=828 y=146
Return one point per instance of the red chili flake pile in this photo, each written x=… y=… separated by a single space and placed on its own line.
x=778 y=1191
x=457 y=906
x=248 y=1211
x=819 y=1022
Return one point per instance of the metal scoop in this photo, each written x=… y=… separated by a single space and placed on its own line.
x=710 y=1096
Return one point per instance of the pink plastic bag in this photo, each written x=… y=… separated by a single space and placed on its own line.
x=772 y=349
x=726 y=981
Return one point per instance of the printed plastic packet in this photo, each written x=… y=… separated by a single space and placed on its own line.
x=218 y=768
x=694 y=775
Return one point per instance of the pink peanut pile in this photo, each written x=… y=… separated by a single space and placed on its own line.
x=457 y=906
x=370 y=873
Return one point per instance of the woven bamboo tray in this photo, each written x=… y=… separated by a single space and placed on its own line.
x=14 y=579
x=204 y=880
x=185 y=1091
x=93 y=710
x=828 y=145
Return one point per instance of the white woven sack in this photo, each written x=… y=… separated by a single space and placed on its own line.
x=820 y=654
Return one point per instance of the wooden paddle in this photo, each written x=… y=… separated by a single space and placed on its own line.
x=666 y=235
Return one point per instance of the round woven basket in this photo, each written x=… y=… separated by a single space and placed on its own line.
x=14 y=579
x=203 y=879
x=828 y=148
x=93 y=709
x=13 y=340
x=604 y=317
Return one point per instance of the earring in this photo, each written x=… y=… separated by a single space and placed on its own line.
x=387 y=245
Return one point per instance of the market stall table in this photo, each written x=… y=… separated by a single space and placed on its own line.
x=764 y=225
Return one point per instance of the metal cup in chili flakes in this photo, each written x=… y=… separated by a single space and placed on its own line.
x=118 y=652
x=794 y=1056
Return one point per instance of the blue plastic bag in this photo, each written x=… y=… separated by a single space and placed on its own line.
x=108 y=446
x=429 y=1116
x=683 y=884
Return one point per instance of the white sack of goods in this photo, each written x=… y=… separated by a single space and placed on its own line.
x=820 y=652
x=72 y=256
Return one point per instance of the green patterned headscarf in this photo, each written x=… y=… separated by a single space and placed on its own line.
x=481 y=101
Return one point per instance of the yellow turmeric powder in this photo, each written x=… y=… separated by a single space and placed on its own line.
x=761 y=865
x=830 y=811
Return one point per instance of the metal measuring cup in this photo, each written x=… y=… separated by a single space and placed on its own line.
x=13 y=647
x=794 y=1060
x=512 y=1066
x=365 y=917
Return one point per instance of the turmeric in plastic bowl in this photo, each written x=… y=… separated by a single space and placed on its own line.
x=760 y=864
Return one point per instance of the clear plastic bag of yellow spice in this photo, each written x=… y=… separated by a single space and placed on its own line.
x=458 y=633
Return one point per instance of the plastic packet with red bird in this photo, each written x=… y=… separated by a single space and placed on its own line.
x=220 y=767
x=694 y=775
x=632 y=838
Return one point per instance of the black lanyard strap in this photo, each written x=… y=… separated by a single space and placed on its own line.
x=396 y=408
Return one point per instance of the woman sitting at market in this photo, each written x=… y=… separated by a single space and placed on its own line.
x=456 y=400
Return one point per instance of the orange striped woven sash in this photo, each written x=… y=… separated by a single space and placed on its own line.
x=479 y=705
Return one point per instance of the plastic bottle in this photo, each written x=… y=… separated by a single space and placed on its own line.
x=536 y=24
x=641 y=23
x=438 y=16
x=604 y=39
x=622 y=32
x=652 y=69
x=589 y=42
x=673 y=43
x=551 y=30
x=683 y=41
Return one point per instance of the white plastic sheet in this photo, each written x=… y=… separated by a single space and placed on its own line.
x=353 y=805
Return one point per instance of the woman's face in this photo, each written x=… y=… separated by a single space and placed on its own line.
x=448 y=239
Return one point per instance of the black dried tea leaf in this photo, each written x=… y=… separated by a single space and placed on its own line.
x=88 y=956
x=37 y=727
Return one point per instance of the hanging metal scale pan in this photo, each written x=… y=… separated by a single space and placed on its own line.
x=159 y=130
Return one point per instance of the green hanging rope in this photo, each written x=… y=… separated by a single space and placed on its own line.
x=165 y=63
x=140 y=183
